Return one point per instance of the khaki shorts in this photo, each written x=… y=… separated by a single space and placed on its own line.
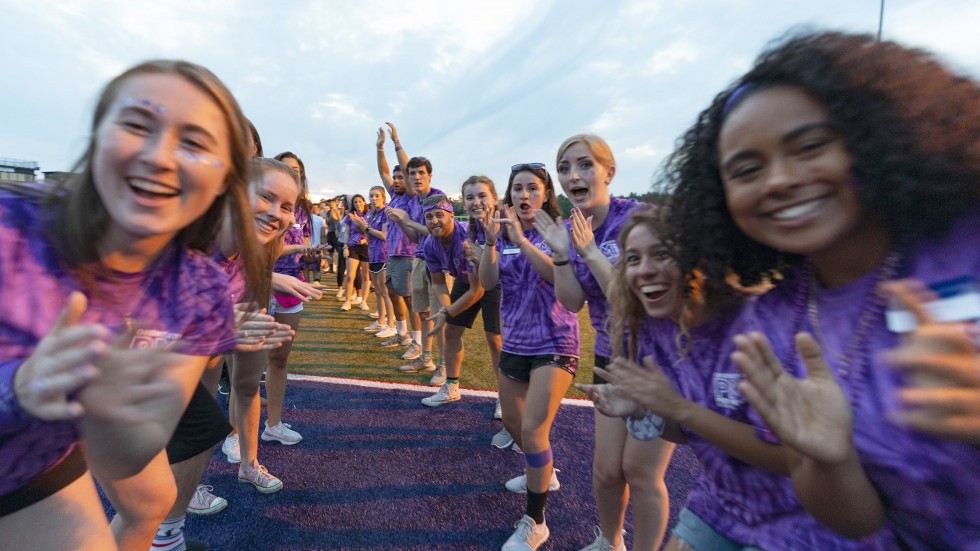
x=423 y=292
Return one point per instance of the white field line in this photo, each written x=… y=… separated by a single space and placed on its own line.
x=422 y=389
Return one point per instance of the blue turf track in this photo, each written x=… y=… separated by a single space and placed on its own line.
x=377 y=470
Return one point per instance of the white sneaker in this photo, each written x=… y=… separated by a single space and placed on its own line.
x=231 y=448
x=373 y=327
x=386 y=332
x=518 y=484
x=373 y=314
x=281 y=433
x=414 y=351
x=446 y=394
x=502 y=440
x=356 y=300
x=203 y=502
x=364 y=306
x=497 y=413
x=259 y=477
x=345 y=307
x=528 y=535
x=439 y=376
x=602 y=544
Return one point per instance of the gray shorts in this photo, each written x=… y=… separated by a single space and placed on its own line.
x=399 y=278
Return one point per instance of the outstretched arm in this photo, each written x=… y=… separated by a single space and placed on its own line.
x=383 y=171
x=651 y=388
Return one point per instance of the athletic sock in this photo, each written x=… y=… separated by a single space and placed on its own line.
x=535 y=505
x=170 y=536
x=400 y=327
x=452 y=380
x=417 y=336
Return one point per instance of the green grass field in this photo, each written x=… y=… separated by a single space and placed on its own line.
x=332 y=343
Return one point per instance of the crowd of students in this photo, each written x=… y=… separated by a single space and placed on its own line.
x=801 y=310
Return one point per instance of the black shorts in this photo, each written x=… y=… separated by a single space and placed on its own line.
x=518 y=367
x=489 y=303
x=202 y=425
x=600 y=361
x=376 y=267
x=358 y=252
x=46 y=484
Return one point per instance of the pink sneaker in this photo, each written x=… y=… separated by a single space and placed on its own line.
x=259 y=477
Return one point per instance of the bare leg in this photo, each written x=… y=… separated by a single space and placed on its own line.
x=275 y=378
x=453 y=351
x=608 y=479
x=73 y=518
x=246 y=375
x=548 y=386
x=644 y=464
x=142 y=502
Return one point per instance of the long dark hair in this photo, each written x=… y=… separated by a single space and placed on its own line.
x=910 y=125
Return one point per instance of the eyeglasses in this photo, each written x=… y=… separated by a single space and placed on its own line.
x=524 y=166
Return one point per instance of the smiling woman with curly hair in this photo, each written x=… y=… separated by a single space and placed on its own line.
x=837 y=164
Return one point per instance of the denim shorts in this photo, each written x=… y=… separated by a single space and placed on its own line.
x=695 y=534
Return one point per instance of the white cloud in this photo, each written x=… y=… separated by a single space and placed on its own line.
x=672 y=58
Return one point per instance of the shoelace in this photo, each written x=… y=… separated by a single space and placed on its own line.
x=202 y=493
x=523 y=529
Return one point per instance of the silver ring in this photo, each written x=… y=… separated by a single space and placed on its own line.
x=246 y=333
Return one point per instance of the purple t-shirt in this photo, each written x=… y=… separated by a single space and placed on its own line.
x=930 y=486
x=452 y=259
x=605 y=240
x=296 y=235
x=354 y=235
x=534 y=321
x=377 y=250
x=398 y=243
x=182 y=301
x=750 y=505
x=234 y=269
x=414 y=211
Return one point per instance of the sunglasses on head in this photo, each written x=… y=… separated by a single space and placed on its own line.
x=524 y=166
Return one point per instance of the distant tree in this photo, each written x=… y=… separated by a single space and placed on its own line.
x=565 y=205
x=458 y=209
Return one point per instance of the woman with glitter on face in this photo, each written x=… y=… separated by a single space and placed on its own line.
x=287 y=309
x=165 y=157
x=850 y=185
x=623 y=468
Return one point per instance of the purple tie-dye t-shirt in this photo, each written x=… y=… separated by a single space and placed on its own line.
x=750 y=505
x=296 y=235
x=930 y=486
x=452 y=259
x=182 y=302
x=605 y=240
x=234 y=269
x=377 y=249
x=398 y=243
x=534 y=321
x=414 y=211
x=354 y=235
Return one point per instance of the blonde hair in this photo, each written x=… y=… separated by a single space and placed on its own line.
x=597 y=146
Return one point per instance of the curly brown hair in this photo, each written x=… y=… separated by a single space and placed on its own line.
x=910 y=124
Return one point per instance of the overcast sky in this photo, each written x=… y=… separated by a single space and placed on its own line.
x=475 y=86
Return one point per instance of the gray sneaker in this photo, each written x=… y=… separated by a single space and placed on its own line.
x=414 y=351
x=393 y=341
x=406 y=340
x=439 y=376
x=502 y=439
x=602 y=544
x=421 y=363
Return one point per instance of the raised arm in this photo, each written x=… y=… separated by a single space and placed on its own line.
x=568 y=290
x=383 y=171
x=402 y=156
